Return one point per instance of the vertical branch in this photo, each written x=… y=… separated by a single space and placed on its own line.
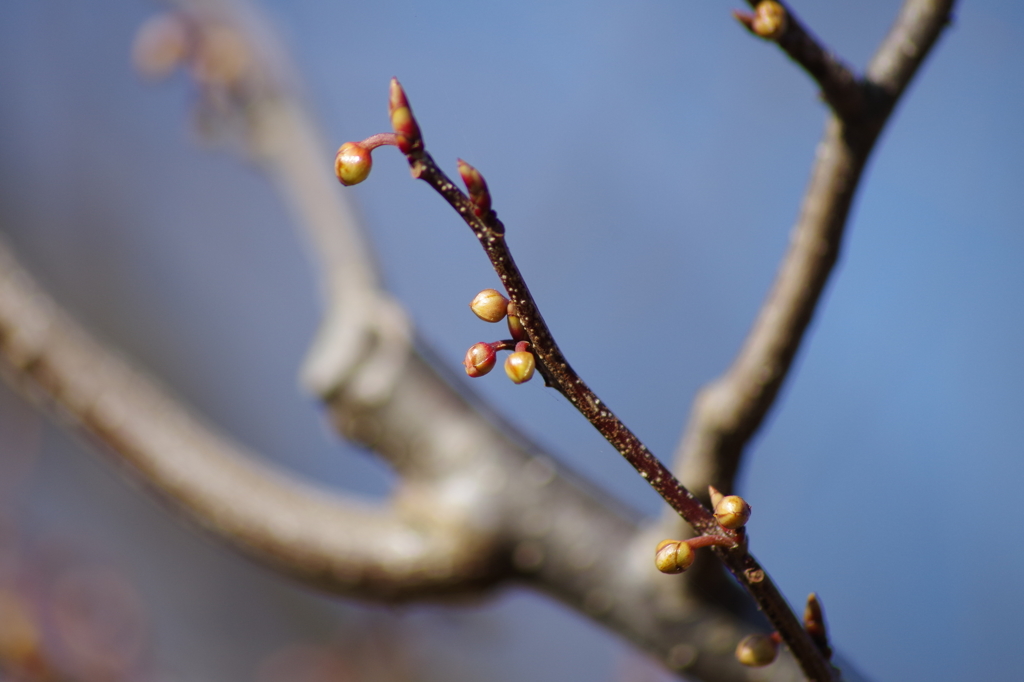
x=728 y=411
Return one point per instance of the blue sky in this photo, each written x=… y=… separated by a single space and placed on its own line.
x=648 y=159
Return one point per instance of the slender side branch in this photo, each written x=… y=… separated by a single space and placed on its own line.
x=560 y=375
x=728 y=411
x=840 y=87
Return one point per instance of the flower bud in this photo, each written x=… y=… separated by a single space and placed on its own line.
x=407 y=131
x=477 y=188
x=519 y=366
x=353 y=163
x=516 y=329
x=715 y=496
x=480 y=359
x=673 y=556
x=814 y=624
x=732 y=512
x=757 y=650
x=489 y=305
x=769 y=20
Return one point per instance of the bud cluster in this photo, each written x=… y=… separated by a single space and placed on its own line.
x=491 y=306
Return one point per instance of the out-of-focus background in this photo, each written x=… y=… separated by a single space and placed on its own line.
x=648 y=159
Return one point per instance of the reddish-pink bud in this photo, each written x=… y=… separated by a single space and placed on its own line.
x=519 y=366
x=480 y=359
x=353 y=163
x=407 y=131
x=477 y=188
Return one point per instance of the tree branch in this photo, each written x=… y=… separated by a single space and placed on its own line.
x=728 y=411
x=368 y=551
x=840 y=87
x=475 y=211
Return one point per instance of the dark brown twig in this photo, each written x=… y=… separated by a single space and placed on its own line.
x=559 y=375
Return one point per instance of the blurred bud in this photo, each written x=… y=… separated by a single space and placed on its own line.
x=480 y=359
x=222 y=58
x=20 y=642
x=477 y=188
x=732 y=512
x=407 y=131
x=757 y=650
x=353 y=163
x=519 y=366
x=814 y=623
x=161 y=45
x=489 y=305
x=769 y=20
x=716 y=496
x=673 y=556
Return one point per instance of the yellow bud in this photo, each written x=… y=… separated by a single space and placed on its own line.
x=353 y=163
x=489 y=305
x=757 y=650
x=732 y=512
x=673 y=556
x=769 y=20
x=516 y=329
x=519 y=366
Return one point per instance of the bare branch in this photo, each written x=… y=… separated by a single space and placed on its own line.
x=365 y=335
x=908 y=43
x=728 y=411
x=476 y=212
x=363 y=550
x=840 y=87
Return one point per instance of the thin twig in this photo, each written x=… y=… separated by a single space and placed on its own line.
x=840 y=87
x=560 y=375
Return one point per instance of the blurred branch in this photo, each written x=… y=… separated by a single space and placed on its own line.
x=729 y=410
x=374 y=551
x=501 y=512
x=839 y=84
x=475 y=507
